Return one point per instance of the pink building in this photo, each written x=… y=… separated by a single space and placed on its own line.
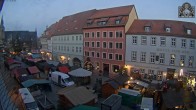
x=104 y=38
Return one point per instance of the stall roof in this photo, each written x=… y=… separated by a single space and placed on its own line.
x=63 y=69
x=55 y=63
x=80 y=72
x=19 y=71
x=33 y=70
x=77 y=95
x=85 y=107
x=31 y=82
x=141 y=83
x=129 y=92
x=147 y=103
x=114 y=84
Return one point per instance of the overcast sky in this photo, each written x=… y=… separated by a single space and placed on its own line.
x=37 y=14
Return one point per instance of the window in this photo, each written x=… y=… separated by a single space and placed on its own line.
x=134 y=39
x=163 y=41
x=183 y=43
x=173 y=42
x=104 y=34
x=93 y=44
x=68 y=49
x=152 y=57
x=64 y=48
x=64 y=38
x=118 y=45
x=118 y=34
x=80 y=37
x=93 y=54
x=72 y=37
x=93 y=34
x=97 y=55
x=110 y=56
x=151 y=72
x=115 y=68
x=104 y=56
x=161 y=58
x=168 y=29
x=192 y=44
x=76 y=49
x=172 y=59
x=188 y=31
x=118 y=57
x=143 y=57
x=76 y=37
x=147 y=28
x=110 y=45
x=86 y=53
x=86 y=44
x=142 y=70
x=133 y=56
x=86 y=35
x=191 y=60
x=104 y=45
x=72 y=49
x=117 y=22
x=80 y=49
x=153 y=40
x=98 y=44
x=110 y=34
x=67 y=38
x=101 y=23
x=98 y=34
x=143 y=40
x=182 y=60
x=61 y=48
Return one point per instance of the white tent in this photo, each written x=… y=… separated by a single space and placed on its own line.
x=147 y=103
x=80 y=72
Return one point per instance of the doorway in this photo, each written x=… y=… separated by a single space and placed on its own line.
x=106 y=68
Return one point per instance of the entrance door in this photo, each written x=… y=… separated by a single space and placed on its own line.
x=106 y=68
x=170 y=73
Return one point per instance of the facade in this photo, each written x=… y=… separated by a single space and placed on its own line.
x=25 y=39
x=104 y=38
x=67 y=41
x=161 y=49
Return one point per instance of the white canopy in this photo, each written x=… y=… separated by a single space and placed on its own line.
x=147 y=103
x=80 y=72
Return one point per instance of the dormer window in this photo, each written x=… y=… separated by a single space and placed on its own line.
x=168 y=29
x=147 y=28
x=188 y=31
x=101 y=23
x=117 y=22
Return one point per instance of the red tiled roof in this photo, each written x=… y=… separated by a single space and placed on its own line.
x=33 y=70
x=110 y=12
x=73 y=24
x=109 y=15
x=178 y=28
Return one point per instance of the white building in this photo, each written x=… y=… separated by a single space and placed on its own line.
x=67 y=41
x=161 y=49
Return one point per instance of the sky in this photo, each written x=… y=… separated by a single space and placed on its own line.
x=31 y=15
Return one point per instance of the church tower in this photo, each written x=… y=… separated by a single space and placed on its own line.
x=2 y=32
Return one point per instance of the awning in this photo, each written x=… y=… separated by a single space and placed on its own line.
x=80 y=72
x=63 y=69
x=31 y=82
x=33 y=70
x=77 y=95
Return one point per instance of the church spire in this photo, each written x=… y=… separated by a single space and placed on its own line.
x=2 y=22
